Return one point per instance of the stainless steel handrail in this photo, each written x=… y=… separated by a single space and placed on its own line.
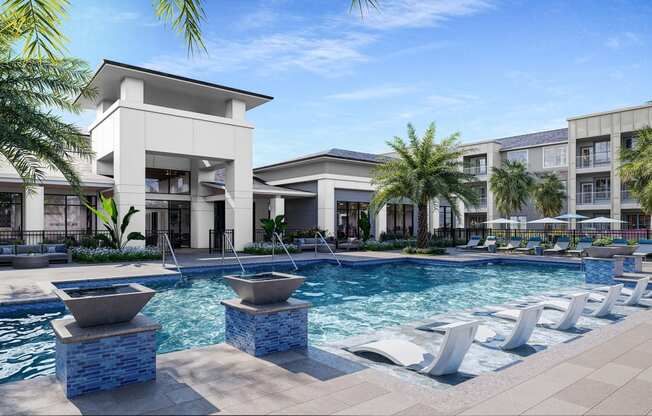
x=327 y=246
x=280 y=240
x=226 y=237
x=174 y=257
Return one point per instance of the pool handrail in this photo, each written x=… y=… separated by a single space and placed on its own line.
x=318 y=234
x=174 y=257
x=280 y=240
x=226 y=238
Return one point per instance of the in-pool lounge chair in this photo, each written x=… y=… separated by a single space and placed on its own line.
x=633 y=295
x=583 y=244
x=603 y=309
x=531 y=244
x=619 y=242
x=561 y=245
x=568 y=320
x=457 y=341
x=514 y=243
x=488 y=242
x=644 y=248
x=473 y=242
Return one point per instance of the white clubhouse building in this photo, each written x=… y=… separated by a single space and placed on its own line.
x=180 y=151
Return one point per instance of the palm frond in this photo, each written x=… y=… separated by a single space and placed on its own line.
x=364 y=6
x=185 y=17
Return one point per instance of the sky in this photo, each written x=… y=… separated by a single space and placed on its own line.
x=483 y=68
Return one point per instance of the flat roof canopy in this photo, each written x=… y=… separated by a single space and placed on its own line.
x=108 y=77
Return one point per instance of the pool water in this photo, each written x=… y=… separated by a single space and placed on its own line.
x=346 y=301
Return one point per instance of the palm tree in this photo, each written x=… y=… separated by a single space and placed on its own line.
x=422 y=171
x=636 y=168
x=32 y=138
x=549 y=195
x=511 y=185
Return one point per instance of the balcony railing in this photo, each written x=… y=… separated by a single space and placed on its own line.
x=626 y=196
x=594 y=160
x=593 y=198
x=475 y=170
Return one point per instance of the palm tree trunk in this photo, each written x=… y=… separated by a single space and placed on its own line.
x=422 y=235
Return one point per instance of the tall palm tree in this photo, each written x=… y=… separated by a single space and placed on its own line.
x=636 y=168
x=32 y=138
x=549 y=195
x=511 y=185
x=422 y=171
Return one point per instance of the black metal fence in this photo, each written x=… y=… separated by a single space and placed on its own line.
x=463 y=234
x=155 y=238
x=216 y=240
x=69 y=237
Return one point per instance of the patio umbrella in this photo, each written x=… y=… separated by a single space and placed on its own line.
x=601 y=220
x=501 y=221
x=547 y=220
x=570 y=216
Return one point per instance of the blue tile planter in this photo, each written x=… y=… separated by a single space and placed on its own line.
x=632 y=264
x=104 y=357
x=602 y=270
x=259 y=330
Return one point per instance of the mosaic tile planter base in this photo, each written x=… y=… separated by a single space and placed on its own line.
x=602 y=270
x=104 y=357
x=259 y=330
x=632 y=264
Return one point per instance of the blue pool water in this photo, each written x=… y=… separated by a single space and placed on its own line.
x=347 y=301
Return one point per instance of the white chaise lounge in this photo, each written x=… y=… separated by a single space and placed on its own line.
x=566 y=321
x=633 y=295
x=604 y=309
x=457 y=341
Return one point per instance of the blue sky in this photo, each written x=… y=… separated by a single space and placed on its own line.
x=485 y=68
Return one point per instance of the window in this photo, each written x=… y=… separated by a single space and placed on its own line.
x=555 y=156
x=11 y=218
x=637 y=221
x=476 y=165
x=400 y=219
x=348 y=218
x=68 y=213
x=172 y=217
x=602 y=152
x=602 y=188
x=522 y=222
x=518 y=156
x=167 y=181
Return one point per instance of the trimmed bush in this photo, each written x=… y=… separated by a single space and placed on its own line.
x=433 y=251
x=387 y=245
x=107 y=255
x=603 y=242
x=266 y=248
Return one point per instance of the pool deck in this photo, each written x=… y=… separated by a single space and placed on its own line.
x=607 y=370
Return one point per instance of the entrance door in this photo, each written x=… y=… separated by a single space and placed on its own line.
x=586 y=156
x=586 y=192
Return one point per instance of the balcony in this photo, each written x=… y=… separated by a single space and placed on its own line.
x=594 y=198
x=594 y=160
x=482 y=205
x=475 y=170
x=626 y=197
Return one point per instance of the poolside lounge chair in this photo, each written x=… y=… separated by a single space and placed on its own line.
x=457 y=341
x=473 y=242
x=644 y=248
x=583 y=244
x=514 y=242
x=566 y=321
x=531 y=244
x=488 y=242
x=604 y=309
x=561 y=245
x=619 y=242
x=633 y=295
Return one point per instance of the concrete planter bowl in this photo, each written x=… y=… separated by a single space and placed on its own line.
x=105 y=305
x=609 y=252
x=264 y=288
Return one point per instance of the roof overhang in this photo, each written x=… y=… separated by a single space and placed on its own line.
x=109 y=75
x=94 y=181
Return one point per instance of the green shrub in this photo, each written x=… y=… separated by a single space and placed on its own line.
x=307 y=233
x=387 y=245
x=266 y=248
x=433 y=251
x=107 y=255
x=441 y=243
x=602 y=242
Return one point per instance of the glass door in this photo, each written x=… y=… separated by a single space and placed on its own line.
x=586 y=156
x=586 y=193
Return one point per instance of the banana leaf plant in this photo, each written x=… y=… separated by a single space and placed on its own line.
x=109 y=217
x=273 y=225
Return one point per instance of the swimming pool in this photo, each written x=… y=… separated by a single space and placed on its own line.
x=347 y=301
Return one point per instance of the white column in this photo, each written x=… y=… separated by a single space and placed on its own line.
x=433 y=215
x=101 y=107
x=326 y=206
x=615 y=179
x=460 y=220
x=239 y=194
x=276 y=206
x=571 y=184
x=202 y=213
x=132 y=90
x=34 y=210
x=381 y=221
x=129 y=168
x=236 y=110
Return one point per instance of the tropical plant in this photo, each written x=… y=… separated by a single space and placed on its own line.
x=423 y=171
x=636 y=168
x=549 y=195
x=273 y=226
x=32 y=138
x=117 y=229
x=365 y=225
x=511 y=185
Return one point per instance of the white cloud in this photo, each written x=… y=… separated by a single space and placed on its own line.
x=624 y=40
x=447 y=101
x=383 y=91
x=328 y=56
x=394 y=14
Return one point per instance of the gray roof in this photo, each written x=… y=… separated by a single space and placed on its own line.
x=335 y=153
x=533 y=139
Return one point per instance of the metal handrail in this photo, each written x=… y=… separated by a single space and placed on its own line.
x=280 y=240
x=174 y=257
x=327 y=246
x=226 y=237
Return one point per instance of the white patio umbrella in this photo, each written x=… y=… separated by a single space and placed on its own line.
x=570 y=216
x=501 y=221
x=547 y=220
x=601 y=220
